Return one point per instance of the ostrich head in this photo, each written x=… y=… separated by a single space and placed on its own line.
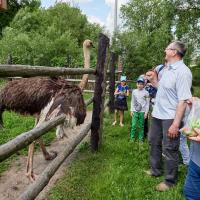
x=88 y=44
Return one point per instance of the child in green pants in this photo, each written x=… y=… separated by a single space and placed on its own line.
x=139 y=109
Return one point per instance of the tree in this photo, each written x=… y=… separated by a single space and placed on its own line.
x=13 y=7
x=150 y=25
x=49 y=37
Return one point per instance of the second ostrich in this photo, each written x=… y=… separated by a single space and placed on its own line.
x=46 y=98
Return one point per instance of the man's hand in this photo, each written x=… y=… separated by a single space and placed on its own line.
x=192 y=100
x=145 y=115
x=173 y=131
x=197 y=138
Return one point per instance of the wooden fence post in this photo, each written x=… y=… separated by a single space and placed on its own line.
x=3 y=5
x=97 y=101
x=112 y=82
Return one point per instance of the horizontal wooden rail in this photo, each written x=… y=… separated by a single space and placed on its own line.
x=21 y=141
x=93 y=81
x=35 y=188
x=79 y=80
x=29 y=71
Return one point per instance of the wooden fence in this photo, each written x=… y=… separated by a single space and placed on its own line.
x=95 y=125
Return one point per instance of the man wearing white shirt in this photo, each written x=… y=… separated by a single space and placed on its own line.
x=173 y=91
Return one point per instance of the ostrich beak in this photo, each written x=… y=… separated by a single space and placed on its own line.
x=92 y=45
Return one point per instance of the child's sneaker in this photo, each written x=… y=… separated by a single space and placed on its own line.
x=121 y=124
x=114 y=123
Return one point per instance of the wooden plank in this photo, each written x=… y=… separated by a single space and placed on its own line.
x=29 y=71
x=3 y=4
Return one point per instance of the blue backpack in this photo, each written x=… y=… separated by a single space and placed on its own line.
x=151 y=90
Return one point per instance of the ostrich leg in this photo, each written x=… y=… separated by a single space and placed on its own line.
x=29 y=165
x=46 y=154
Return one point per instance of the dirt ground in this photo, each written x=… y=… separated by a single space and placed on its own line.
x=14 y=182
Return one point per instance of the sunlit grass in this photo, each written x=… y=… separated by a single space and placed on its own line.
x=115 y=172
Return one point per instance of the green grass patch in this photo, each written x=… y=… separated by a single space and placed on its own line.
x=115 y=172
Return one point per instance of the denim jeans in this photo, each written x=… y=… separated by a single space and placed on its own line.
x=183 y=148
x=192 y=182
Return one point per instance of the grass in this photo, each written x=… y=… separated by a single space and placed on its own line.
x=115 y=172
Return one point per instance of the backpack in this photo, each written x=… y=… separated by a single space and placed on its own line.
x=161 y=68
x=151 y=90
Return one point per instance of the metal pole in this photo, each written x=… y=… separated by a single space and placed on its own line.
x=115 y=17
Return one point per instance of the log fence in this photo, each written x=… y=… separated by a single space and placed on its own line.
x=95 y=125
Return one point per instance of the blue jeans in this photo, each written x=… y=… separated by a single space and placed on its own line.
x=192 y=182
x=183 y=148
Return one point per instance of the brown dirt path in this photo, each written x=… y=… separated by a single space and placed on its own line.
x=14 y=182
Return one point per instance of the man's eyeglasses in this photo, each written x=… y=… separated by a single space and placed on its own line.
x=175 y=50
x=171 y=49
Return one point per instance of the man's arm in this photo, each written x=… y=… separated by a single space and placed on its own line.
x=174 y=128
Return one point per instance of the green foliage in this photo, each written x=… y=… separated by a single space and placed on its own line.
x=51 y=37
x=150 y=26
x=13 y=7
x=195 y=76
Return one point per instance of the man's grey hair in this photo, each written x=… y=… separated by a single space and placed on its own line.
x=180 y=47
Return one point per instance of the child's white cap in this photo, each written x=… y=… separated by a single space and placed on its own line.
x=123 y=78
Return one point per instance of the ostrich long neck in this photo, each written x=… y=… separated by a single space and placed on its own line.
x=86 y=53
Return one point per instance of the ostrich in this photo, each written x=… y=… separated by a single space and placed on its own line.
x=46 y=98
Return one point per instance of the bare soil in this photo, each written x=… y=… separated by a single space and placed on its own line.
x=14 y=182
